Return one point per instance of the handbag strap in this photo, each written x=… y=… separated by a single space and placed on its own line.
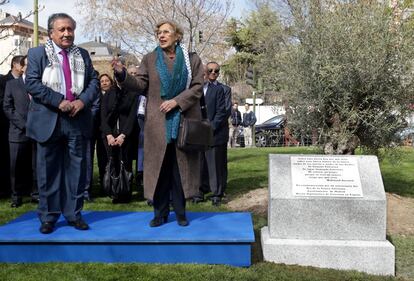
x=119 y=153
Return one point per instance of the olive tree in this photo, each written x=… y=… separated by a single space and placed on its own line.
x=347 y=72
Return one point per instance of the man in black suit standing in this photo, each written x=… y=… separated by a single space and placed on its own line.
x=214 y=160
x=236 y=121
x=22 y=149
x=213 y=69
x=14 y=73
x=249 y=119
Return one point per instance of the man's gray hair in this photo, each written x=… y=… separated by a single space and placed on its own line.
x=53 y=17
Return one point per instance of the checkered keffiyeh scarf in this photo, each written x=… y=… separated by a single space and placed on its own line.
x=52 y=75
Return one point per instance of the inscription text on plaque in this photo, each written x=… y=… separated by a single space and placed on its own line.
x=327 y=176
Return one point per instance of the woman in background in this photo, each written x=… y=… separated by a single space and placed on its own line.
x=118 y=119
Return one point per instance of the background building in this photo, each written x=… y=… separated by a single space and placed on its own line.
x=102 y=54
x=16 y=37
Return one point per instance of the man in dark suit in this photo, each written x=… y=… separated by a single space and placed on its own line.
x=63 y=84
x=213 y=69
x=22 y=157
x=249 y=119
x=236 y=121
x=211 y=161
x=14 y=73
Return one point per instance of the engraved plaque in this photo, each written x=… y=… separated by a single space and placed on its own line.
x=328 y=176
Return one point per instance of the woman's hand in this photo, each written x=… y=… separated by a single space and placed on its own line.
x=117 y=65
x=120 y=139
x=111 y=140
x=168 y=105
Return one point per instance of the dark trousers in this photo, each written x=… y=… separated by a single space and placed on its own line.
x=90 y=147
x=140 y=156
x=213 y=171
x=4 y=158
x=102 y=157
x=221 y=160
x=169 y=186
x=61 y=172
x=23 y=170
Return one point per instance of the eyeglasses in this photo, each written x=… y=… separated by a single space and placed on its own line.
x=214 y=71
x=164 y=32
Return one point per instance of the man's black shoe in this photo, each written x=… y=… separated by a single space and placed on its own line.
x=79 y=224
x=197 y=199
x=182 y=220
x=34 y=200
x=124 y=199
x=87 y=198
x=46 y=227
x=158 y=221
x=216 y=201
x=15 y=204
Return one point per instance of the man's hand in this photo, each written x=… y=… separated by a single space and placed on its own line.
x=65 y=106
x=168 y=105
x=77 y=105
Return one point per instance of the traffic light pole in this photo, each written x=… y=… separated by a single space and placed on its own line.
x=36 y=24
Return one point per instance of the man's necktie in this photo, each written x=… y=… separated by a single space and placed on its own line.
x=67 y=74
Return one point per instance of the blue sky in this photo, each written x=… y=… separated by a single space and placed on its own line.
x=53 y=6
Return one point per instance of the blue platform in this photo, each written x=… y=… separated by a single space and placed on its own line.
x=211 y=238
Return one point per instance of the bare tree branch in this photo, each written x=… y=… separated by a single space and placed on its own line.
x=134 y=24
x=16 y=19
x=12 y=52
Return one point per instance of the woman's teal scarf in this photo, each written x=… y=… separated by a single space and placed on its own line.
x=172 y=84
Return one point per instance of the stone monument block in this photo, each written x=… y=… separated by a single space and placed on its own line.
x=327 y=211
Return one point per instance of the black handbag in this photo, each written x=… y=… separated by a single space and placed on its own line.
x=195 y=135
x=117 y=183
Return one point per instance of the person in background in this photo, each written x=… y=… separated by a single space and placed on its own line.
x=236 y=121
x=22 y=149
x=222 y=170
x=132 y=70
x=14 y=73
x=212 y=161
x=173 y=81
x=249 y=119
x=139 y=167
x=106 y=83
x=118 y=120
x=63 y=85
x=90 y=147
x=142 y=103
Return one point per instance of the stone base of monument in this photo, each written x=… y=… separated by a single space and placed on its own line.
x=373 y=257
x=329 y=212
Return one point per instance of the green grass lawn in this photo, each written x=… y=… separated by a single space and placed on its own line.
x=248 y=169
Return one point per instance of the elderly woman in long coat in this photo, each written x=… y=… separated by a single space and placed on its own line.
x=173 y=79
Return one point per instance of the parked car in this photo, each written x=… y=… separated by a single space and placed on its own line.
x=271 y=132
x=406 y=136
